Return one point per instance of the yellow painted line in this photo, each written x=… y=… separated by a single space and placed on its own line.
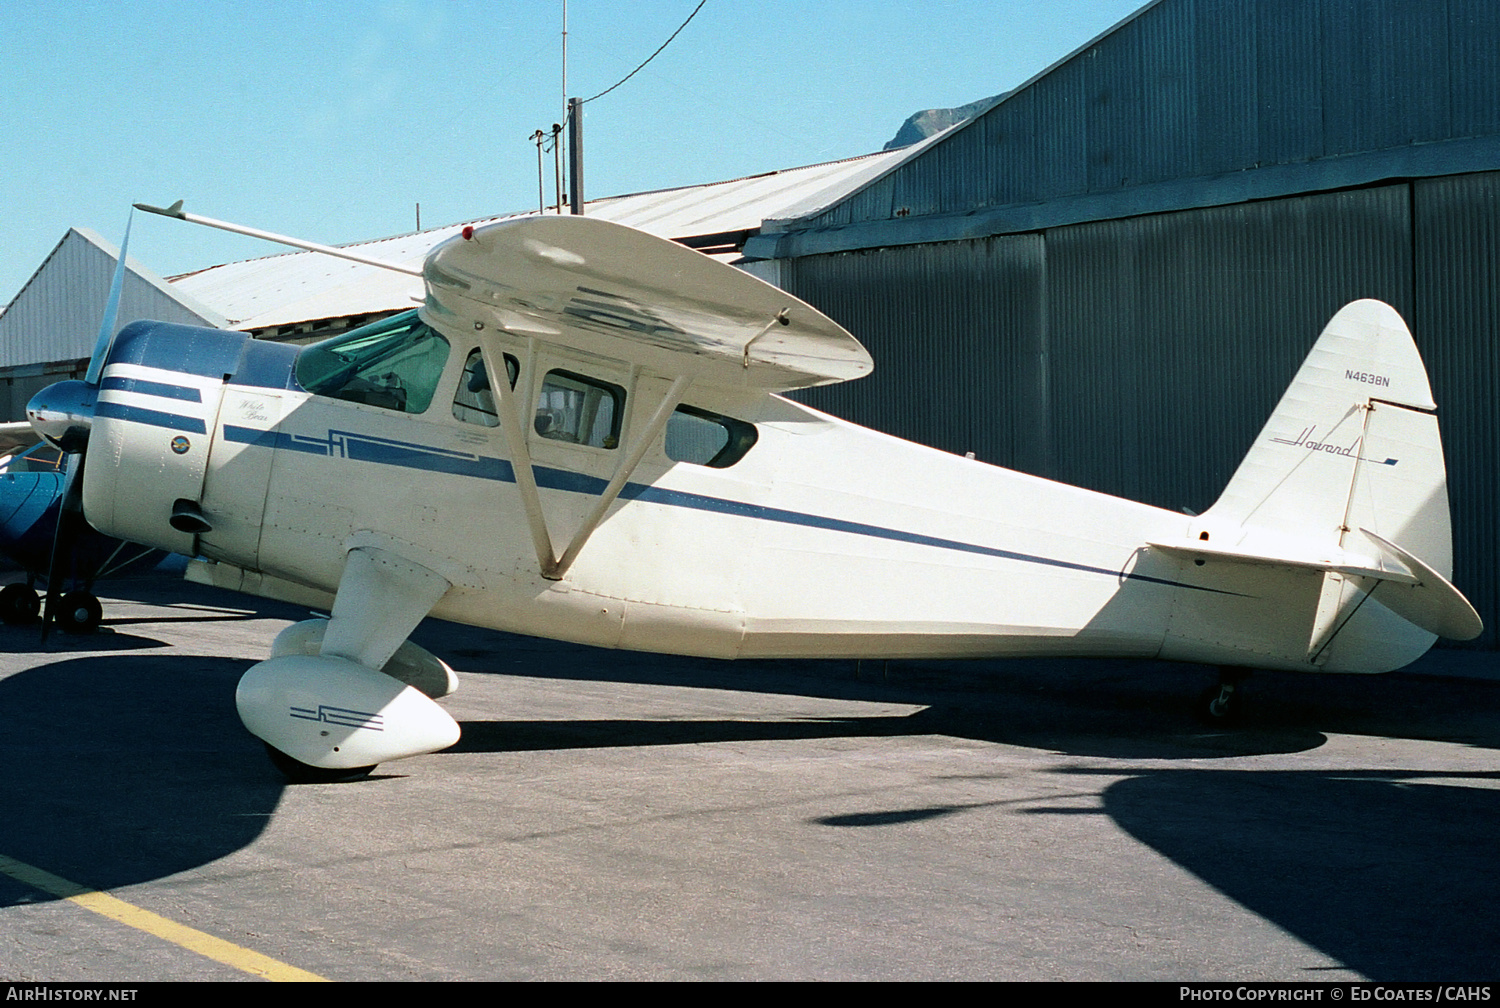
x=193 y=940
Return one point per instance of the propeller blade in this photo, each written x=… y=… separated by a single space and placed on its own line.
x=69 y=522
x=111 y=310
x=66 y=410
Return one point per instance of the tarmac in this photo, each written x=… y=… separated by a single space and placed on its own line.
x=620 y=816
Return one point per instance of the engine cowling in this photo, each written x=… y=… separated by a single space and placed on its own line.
x=154 y=423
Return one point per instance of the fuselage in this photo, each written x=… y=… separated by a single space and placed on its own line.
x=825 y=539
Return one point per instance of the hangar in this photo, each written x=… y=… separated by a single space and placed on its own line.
x=1109 y=277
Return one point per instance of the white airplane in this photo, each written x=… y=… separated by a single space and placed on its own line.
x=578 y=436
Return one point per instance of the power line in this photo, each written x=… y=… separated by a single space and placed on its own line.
x=648 y=59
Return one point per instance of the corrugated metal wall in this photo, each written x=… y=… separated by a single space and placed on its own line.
x=957 y=333
x=1198 y=88
x=48 y=332
x=1457 y=323
x=1174 y=335
x=1140 y=357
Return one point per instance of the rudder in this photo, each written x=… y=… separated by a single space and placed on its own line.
x=1358 y=415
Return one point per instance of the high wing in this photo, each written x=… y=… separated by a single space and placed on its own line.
x=616 y=292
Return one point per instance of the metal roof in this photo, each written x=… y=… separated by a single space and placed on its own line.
x=55 y=316
x=288 y=289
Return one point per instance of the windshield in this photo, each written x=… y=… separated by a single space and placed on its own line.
x=394 y=364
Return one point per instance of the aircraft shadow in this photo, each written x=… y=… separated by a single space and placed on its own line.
x=132 y=767
x=127 y=768
x=1390 y=873
x=26 y=638
x=540 y=736
x=524 y=736
x=1121 y=708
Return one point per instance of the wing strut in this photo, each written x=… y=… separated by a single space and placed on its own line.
x=552 y=568
x=626 y=466
x=515 y=435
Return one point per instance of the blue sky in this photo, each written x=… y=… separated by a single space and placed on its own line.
x=330 y=120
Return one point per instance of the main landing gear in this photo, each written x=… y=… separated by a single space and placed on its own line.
x=20 y=604
x=297 y=772
x=78 y=612
x=339 y=696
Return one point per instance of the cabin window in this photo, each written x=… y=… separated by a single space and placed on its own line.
x=395 y=364
x=707 y=439
x=474 y=402
x=579 y=410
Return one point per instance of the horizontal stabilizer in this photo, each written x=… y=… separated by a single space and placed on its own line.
x=1192 y=551
x=1349 y=463
x=1431 y=601
x=1409 y=588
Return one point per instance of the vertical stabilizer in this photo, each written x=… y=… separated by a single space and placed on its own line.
x=1334 y=531
x=1354 y=437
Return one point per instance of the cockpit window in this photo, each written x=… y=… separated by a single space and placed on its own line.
x=395 y=364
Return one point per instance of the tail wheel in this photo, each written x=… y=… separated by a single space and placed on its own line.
x=297 y=772
x=19 y=604
x=1215 y=708
x=79 y=613
x=1223 y=704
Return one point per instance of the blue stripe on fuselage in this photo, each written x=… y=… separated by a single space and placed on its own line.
x=404 y=454
x=382 y=451
x=154 y=418
x=152 y=388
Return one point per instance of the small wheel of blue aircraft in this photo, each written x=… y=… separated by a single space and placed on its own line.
x=79 y=613
x=19 y=604
x=297 y=772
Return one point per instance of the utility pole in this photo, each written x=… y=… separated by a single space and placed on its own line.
x=575 y=155
x=557 y=163
x=541 y=198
